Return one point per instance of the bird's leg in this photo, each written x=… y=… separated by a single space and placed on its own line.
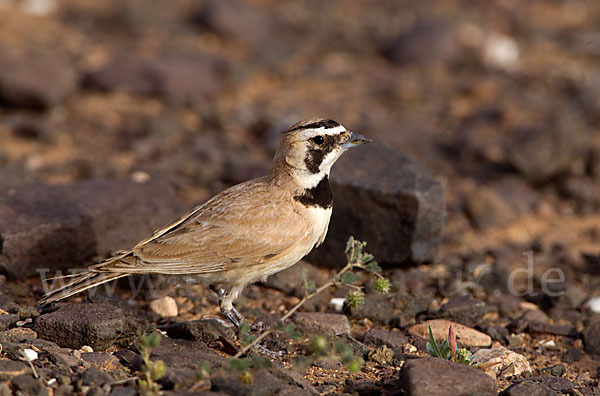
x=230 y=312
x=227 y=308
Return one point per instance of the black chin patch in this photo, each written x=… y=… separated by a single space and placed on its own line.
x=319 y=196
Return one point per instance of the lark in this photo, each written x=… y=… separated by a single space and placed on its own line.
x=245 y=233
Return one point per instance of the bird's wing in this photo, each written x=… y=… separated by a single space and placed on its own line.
x=245 y=225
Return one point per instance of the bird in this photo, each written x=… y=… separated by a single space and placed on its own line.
x=245 y=233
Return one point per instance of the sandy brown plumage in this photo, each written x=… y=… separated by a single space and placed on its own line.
x=246 y=232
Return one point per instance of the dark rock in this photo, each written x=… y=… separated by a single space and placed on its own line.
x=376 y=338
x=179 y=378
x=557 y=370
x=358 y=348
x=583 y=189
x=61 y=226
x=186 y=354
x=129 y=358
x=6 y=303
x=8 y=321
x=274 y=381
x=97 y=325
x=544 y=152
x=28 y=385
x=124 y=391
x=386 y=199
x=319 y=323
x=102 y=360
x=36 y=80
x=572 y=298
x=528 y=388
x=17 y=334
x=591 y=338
x=11 y=368
x=205 y=330
x=95 y=377
x=426 y=42
x=399 y=309
x=464 y=309
x=487 y=209
x=432 y=377
x=180 y=79
x=223 y=18
x=572 y=355
x=557 y=384
x=547 y=328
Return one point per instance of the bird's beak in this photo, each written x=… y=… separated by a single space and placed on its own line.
x=355 y=140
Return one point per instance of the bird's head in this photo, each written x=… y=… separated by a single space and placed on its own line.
x=308 y=149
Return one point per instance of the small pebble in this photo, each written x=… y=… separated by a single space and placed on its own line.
x=30 y=355
x=338 y=303
x=164 y=307
x=593 y=304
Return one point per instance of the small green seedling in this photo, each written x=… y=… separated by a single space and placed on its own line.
x=447 y=349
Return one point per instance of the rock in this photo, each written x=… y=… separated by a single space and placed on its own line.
x=26 y=384
x=102 y=360
x=557 y=384
x=274 y=381
x=464 y=309
x=572 y=298
x=386 y=199
x=177 y=354
x=583 y=189
x=124 y=391
x=36 y=80
x=95 y=377
x=591 y=338
x=223 y=18
x=17 y=334
x=319 y=323
x=62 y=226
x=547 y=328
x=376 y=338
x=165 y=307
x=426 y=42
x=465 y=336
x=205 y=330
x=438 y=377
x=506 y=362
x=398 y=309
x=11 y=368
x=97 y=325
x=556 y=370
x=593 y=304
x=546 y=151
x=487 y=209
x=178 y=78
x=381 y=355
x=528 y=388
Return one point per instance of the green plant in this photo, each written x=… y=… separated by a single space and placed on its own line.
x=447 y=349
x=357 y=259
x=152 y=371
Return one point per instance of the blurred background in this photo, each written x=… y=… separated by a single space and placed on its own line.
x=498 y=99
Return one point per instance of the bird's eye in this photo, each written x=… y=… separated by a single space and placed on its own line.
x=319 y=140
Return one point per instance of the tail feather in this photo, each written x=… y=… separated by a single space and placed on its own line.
x=80 y=283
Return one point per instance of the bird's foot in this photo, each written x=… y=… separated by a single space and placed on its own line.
x=263 y=350
x=234 y=316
